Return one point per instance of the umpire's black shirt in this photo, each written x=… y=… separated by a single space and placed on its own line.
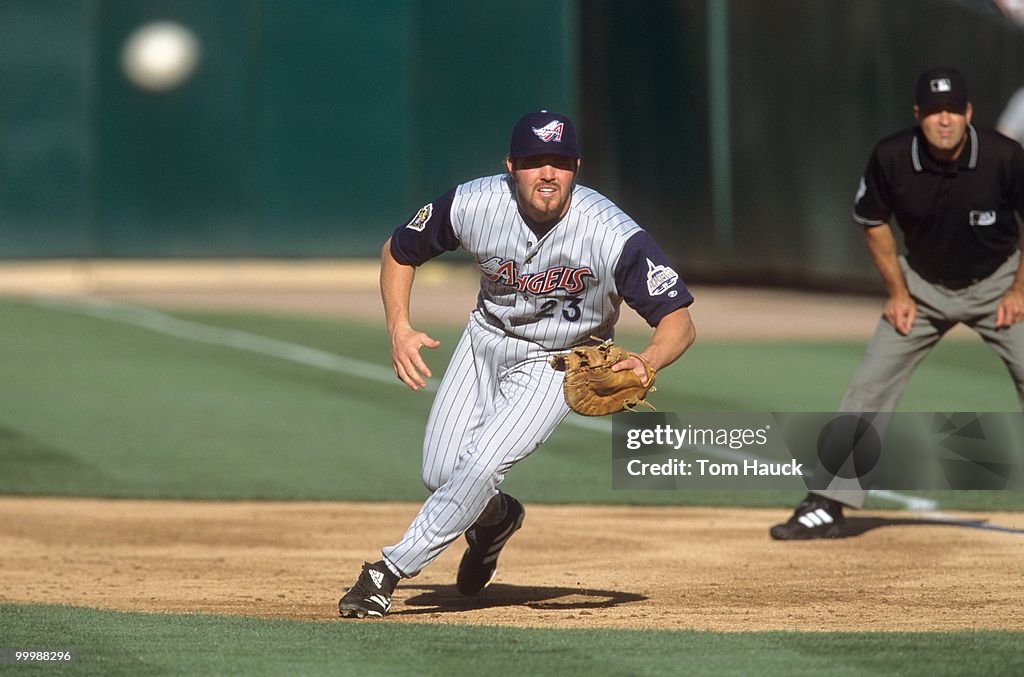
x=957 y=218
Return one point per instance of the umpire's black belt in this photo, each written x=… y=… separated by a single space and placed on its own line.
x=954 y=283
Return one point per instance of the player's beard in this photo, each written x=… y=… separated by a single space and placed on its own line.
x=546 y=207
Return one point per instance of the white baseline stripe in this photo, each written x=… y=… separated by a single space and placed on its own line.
x=603 y=425
x=162 y=323
x=167 y=325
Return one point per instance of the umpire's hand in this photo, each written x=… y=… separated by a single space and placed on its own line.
x=900 y=312
x=1011 y=308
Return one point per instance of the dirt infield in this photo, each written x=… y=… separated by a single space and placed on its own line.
x=570 y=566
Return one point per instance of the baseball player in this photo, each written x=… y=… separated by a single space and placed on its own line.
x=556 y=260
x=955 y=190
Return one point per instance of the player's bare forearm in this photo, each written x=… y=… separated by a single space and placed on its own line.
x=900 y=310
x=672 y=337
x=395 y=289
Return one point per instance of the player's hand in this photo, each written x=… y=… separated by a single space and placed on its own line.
x=406 y=359
x=634 y=362
x=900 y=312
x=1011 y=308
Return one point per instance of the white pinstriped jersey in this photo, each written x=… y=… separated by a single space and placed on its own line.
x=556 y=290
x=497 y=401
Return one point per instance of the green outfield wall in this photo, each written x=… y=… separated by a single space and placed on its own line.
x=735 y=130
x=309 y=128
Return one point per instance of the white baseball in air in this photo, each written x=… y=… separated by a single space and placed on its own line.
x=160 y=56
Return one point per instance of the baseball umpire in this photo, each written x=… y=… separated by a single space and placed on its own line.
x=556 y=261
x=956 y=191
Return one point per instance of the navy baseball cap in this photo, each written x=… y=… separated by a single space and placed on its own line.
x=941 y=89
x=543 y=133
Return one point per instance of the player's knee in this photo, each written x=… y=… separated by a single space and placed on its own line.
x=437 y=466
x=434 y=476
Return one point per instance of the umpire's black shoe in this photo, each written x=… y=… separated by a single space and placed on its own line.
x=815 y=517
x=371 y=595
x=480 y=561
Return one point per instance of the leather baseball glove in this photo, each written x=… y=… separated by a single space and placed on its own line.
x=591 y=388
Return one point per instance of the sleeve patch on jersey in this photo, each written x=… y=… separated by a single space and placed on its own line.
x=660 y=279
x=419 y=222
x=861 y=190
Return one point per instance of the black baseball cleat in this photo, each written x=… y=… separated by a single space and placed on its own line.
x=480 y=561
x=371 y=595
x=815 y=517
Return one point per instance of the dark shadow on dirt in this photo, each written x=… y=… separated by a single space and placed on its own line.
x=435 y=598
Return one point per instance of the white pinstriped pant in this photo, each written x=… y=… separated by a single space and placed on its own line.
x=498 y=401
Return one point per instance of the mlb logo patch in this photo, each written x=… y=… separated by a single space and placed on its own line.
x=552 y=131
x=941 y=85
x=982 y=218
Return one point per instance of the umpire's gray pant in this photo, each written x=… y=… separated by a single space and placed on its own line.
x=891 y=357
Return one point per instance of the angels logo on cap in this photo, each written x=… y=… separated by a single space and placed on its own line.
x=552 y=131
x=543 y=133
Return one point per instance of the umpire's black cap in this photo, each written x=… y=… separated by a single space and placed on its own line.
x=941 y=89
x=544 y=133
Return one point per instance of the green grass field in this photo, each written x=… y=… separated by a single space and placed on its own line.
x=139 y=644
x=112 y=401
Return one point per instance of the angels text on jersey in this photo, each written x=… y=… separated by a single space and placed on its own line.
x=589 y=262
